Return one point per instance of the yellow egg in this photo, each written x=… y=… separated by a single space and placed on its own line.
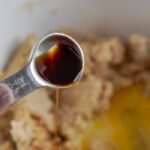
x=126 y=126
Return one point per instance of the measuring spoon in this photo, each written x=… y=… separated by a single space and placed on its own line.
x=28 y=79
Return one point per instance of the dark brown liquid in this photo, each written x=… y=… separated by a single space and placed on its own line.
x=57 y=116
x=60 y=65
x=57 y=99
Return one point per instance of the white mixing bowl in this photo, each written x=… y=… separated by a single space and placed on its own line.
x=18 y=18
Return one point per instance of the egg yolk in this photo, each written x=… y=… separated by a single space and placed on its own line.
x=126 y=126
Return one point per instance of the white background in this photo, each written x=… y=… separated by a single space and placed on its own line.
x=18 y=18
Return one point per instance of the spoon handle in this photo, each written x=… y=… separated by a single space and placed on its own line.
x=16 y=86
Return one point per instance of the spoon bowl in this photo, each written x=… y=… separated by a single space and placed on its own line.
x=46 y=44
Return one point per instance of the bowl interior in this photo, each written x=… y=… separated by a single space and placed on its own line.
x=20 y=18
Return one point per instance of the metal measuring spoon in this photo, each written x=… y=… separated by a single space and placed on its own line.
x=27 y=79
